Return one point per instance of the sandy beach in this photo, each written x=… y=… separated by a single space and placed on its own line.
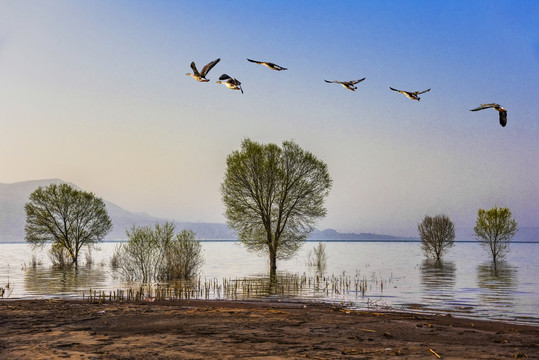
x=51 y=329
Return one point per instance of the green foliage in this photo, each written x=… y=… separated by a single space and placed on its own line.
x=68 y=218
x=494 y=229
x=183 y=258
x=437 y=235
x=156 y=254
x=273 y=196
x=59 y=256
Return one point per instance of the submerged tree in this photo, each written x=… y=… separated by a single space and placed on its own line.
x=317 y=257
x=157 y=254
x=437 y=235
x=273 y=196
x=494 y=229
x=67 y=217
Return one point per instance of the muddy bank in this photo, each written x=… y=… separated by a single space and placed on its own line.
x=47 y=329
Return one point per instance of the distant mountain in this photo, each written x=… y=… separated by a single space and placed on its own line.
x=14 y=196
x=330 y=234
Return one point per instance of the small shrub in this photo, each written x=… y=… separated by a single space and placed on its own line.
x=317 y=257
x=114 y=260
x=35 y=261
x=156 y=254
x=183 y=257
x=59 y=256
x=89 y=258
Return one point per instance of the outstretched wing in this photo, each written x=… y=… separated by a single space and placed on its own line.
x=224 y=77
x=194 y=67
x=395 y=89
x=485 y=106
x=503 y=118
x=357 y=81
x=254 y=61
x=334 y=81
x=209 y=66
x=422 y=92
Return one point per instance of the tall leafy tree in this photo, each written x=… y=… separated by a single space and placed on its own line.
x=67 y=217
x=437 y=235
x=494 y=229
x=273 y=196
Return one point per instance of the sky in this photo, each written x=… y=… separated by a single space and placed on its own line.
x=95 y=93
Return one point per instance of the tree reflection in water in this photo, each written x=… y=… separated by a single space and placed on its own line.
x=497 y=284
x=54 y=281
x=438 y=281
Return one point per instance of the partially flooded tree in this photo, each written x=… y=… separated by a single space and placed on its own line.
x=67 y=217
x=158 y=254
x=437 y=235
x=317 y=257
x=494 y=229
x=273 y=196
x=183 y=258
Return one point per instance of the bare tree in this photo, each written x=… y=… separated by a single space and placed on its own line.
x=273 y=196
x=494 y=229
x=183 y=258
x=437 y=235
x=317 y=257
x=157 y=254
x=67 y=217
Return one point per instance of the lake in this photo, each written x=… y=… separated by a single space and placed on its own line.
x=386 y=275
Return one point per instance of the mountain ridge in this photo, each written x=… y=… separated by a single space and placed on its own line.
x=14 y=196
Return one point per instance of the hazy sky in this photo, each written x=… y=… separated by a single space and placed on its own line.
x=95 y=93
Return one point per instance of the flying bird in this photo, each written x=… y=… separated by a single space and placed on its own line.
x=272 y=66
x=350 y=85
x=410 y=94
x=230 y=83
x=497 y=107
x=201 y=76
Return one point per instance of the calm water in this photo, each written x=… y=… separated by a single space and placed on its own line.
x=397 y=276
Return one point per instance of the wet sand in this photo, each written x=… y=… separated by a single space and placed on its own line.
x=197 y=329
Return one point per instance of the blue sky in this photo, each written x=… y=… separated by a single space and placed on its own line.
x=95 y=93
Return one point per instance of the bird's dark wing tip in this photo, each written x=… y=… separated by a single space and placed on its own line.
x=503 y=118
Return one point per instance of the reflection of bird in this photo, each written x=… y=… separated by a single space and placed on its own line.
x=347 y=84
x=410 y=94
x=230 y=83
x=272 y=66
x=497 y=107
x=201 y=76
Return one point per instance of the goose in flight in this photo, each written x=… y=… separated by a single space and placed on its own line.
x=201 y=76
x=350 y=85
x=497 y=107
x=410 y=94
x=272 y=66
x=230 y=83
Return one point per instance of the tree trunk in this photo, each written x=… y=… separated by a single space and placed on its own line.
x=76 y=257
x=273 y=264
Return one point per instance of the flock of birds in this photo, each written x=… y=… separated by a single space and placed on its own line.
x=235 y=84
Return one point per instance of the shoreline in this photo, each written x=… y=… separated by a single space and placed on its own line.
x=196 y=329
x=412 y=309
